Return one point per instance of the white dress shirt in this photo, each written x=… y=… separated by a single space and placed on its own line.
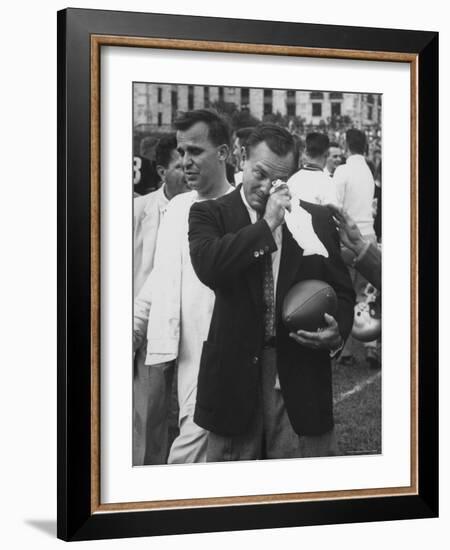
x=355 y=189
x=238 y=178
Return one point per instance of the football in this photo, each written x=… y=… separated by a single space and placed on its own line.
x=306 y=303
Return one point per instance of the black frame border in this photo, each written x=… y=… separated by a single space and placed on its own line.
x=75 y=520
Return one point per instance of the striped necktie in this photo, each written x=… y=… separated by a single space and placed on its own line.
x=269 y=299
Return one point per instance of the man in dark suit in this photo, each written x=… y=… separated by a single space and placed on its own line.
x=264 y=392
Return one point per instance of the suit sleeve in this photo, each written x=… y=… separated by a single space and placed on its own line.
x=142 y=304
x=219 y=256
x=369 y=264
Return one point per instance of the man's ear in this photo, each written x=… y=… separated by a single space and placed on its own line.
x=223 y=151
x=243 y=156
x=161 y=171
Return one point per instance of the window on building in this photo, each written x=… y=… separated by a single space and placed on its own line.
x=317 y=109
x=316 y=95
x=159 y=95
x=190 y=98
x=159 y=119
x=206 y=96
x=245 y=96
x=369 y=98
x=369 y=112
x=336 y=95
x=268 y=102
x=335 y=109
x=174 y=100
x=290 y=103
x=221 y=93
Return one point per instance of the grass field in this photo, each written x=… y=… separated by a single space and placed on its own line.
x=357 y=409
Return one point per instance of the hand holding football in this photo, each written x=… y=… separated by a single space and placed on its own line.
x=306 y=303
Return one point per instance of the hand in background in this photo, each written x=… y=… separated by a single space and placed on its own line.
x=349 y=233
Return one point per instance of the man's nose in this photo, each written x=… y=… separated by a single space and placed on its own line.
x=186 y=160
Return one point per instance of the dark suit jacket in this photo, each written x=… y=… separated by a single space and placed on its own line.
x=227 y=252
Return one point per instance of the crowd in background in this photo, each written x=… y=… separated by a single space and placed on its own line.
x=146 y=178
x=341 y=167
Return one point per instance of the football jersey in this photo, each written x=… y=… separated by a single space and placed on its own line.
x=145 y=176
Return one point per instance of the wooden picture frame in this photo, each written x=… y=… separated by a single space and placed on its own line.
x=81 y=35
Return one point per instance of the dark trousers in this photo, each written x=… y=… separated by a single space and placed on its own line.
x=151 y=399
x=270 y=434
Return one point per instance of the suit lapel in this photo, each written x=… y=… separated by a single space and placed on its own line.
x=291 y=258
x=237 y=217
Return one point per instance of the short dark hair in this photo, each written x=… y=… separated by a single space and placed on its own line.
x=218 y=129
x=356 y=141
x=299 y=143
x=243 y=133
x=147 y=146
x=278 y=139
x=317 y=144
x=164 y=149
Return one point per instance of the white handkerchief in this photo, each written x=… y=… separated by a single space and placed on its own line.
x=299 y=223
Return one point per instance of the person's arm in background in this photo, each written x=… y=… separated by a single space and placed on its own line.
x=330 y=195
x=339 y=182
x=163 y=248
x=368 y=263
x=142 y=304
x=367 y=255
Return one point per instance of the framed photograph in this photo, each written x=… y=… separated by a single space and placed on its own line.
x=190 y=151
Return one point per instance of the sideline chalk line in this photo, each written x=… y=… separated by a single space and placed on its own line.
x=356 y=389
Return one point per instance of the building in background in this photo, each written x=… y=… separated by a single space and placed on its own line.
x=156 y=105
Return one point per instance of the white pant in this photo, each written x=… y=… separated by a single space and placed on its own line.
x=190 y=445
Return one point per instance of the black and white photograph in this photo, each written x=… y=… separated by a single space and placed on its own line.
x=222 y=260
x=246 y=321
x=257 y=234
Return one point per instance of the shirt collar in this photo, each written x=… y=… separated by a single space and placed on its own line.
x=251 y=211
x=312 y=166
x=355 y=158
x=163 y=201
